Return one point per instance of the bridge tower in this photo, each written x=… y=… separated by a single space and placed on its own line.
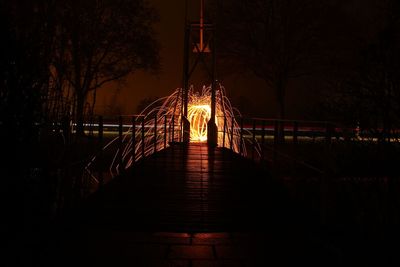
x=199 y=49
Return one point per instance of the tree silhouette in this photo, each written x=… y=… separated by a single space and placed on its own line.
x=27 y=28
x=370 y=96
x=276 y=39
x=103 y=41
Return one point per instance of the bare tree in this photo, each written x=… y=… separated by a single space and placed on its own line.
x=104 y=41
x=27 y=28
x=278 y=40
x=370 y=96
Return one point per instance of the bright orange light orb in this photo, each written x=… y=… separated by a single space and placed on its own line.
x=198 y=116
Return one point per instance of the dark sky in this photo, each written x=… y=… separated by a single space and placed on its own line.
x=141 y=85
x=247 y=92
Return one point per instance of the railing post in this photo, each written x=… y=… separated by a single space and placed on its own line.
x=120 y=142
x=66 y=129
x=313 y=130
x=165 y=131
x=254 y=140
x=91 y=125
x=328 y=134
x=223 y=134
x=155 y=133
x=182 y=129
x=143 y=152
x=232 y=125
x=100 y=130
x=100 y=136
x=133 y=139
x=262 y=140
x=295 y=132
x=276 y=132
x=241 y=136
x=276 y=142
x=173 y=128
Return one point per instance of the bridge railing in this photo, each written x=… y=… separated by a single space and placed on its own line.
x=124 y=140
x=256 y=137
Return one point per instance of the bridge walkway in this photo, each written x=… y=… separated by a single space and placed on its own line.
x=191 y=205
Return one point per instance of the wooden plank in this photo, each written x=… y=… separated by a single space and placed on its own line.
x=187 y=188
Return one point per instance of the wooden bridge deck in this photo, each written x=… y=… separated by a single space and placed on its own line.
x=191 y=188
x=188 y=206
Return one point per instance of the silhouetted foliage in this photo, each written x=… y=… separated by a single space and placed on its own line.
x=370 y=96
x=53 y=53
x=103 y=41
x=26 y=52
x=276 y=40
x=27 y=28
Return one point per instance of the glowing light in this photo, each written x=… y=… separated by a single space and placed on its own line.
x=199 y=113
x=198 y=116
x=163 y=124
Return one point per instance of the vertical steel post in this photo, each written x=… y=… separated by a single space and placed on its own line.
x=155 y=133
x=173 y=128
x=143 y=152
x=223 y=134
x=241 y=136
x=186 y=70
x=133 y=139
x=91 y=125
x=120 y=143
x=165 y=131
x=212 y=133
x=66 y=129
x=262 y=140
x=185 y=125
x=276 y=132
x=254 y=140
x=328 y=136
x=232 y=124
x=183 y=129
x=100 y=131
x=295 y=132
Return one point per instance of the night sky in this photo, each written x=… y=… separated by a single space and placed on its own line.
x=124 y=98
x=143 y=85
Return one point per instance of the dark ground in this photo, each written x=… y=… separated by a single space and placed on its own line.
x=196 y=207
